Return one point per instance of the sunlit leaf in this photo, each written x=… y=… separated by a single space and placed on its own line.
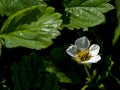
x=84 y=14
x=8 y=7
x=34 y=28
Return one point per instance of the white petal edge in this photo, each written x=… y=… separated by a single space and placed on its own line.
x=82 y=43
x=94 y=59
x=94 y=49
x=71 y=50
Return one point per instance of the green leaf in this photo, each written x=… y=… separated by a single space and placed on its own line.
x=84 y=14
x=8 y=7
x=117 y=30
x=30 y=74
x=59 y=74
x=33 y=27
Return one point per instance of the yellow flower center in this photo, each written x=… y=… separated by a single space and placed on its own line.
x=83 y=56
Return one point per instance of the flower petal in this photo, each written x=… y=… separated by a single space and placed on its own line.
x=72 y=50
x=82 y=43
x=94 y=49
x=94 y=59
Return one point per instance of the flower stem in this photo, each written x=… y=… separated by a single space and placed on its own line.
x=87 y=71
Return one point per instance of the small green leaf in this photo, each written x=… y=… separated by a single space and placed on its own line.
x=102 y=87
x=34 y=28
x=8 y=7
x=84 y=14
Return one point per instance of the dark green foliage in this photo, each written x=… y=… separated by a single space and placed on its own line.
x=30 y=74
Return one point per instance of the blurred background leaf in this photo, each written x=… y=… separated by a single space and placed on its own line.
x=117 y=30
x=8 y=7
x=30 y=74
x=33 y=27
x=84 y=14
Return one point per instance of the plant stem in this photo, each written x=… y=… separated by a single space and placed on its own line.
x=87 y=71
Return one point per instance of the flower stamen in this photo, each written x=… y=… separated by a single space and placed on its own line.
x=83 y=56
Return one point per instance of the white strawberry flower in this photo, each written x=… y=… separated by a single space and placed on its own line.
x=82 y=52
